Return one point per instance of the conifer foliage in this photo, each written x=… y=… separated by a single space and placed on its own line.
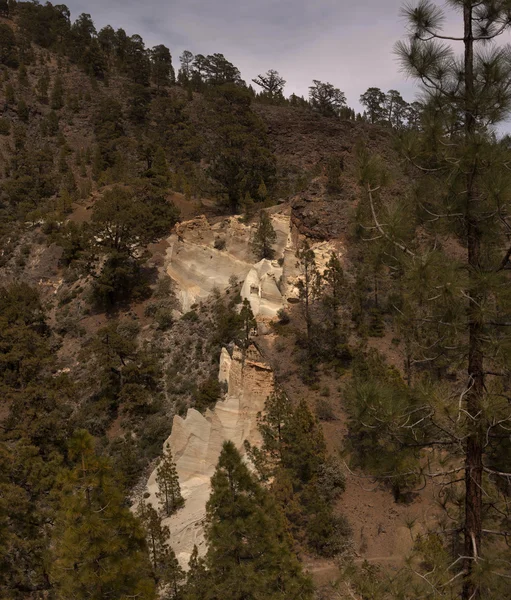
x=169 y=491
x=249 y=552
x=99 y=550
x=305 y=480
x=453 y=307
x=264 y=237
x=166 y=568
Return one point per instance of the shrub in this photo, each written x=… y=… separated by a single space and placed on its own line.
x=324 y=411
x=219 y=244
x=283 y=317
x=5 y=126
x=331 y=480
x=208 y=393
x=191 y=316
x=164 y=319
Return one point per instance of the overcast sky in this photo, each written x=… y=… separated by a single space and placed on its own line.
x=346 y=42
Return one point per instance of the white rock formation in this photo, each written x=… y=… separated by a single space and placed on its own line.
x=196 y=442
x=198 y=267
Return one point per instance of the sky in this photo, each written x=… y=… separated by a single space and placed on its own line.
x=348 y=43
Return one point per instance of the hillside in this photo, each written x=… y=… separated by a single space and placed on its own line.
x=184 y=263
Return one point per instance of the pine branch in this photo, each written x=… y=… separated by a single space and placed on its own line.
x=380 y=228
x=505 y=260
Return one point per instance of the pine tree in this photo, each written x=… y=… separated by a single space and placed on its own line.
x=273 y=423
x=308 y=286
x=463 y=305
x=479 y=91
x=196 y=580
x=333 y=297
x=157 y=534
x=165 y=565
x=326 y=99
x=374 y=100
x=249 y=552
x=42 y=87
x=169 y=491
x=304 y=448
x=159 y=168
x=247 y=206
x=264 y=237
x=57 y=94
x=162 y=71
x=248 y=324
x=304 y=479
x=272 y=84
x=99 y=549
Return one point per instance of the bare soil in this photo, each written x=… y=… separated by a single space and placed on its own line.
x=383 y=530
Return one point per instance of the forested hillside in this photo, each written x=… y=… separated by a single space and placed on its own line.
x=381 y=465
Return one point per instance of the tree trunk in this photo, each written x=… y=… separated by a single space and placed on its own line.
x=474 y=444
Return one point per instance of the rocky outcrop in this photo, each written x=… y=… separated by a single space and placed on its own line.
x=196 y=442
x=202 y=257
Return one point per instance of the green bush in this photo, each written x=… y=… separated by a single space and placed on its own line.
x=379 y=404
x=5 y=126
x=324 y=410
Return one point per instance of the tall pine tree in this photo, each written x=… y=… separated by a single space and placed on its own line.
x=99 y=548
x=169 y=491
x=459 y=325
x=165 y=565
x=249 y=552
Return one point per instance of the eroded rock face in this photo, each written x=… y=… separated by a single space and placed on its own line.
x=196 y=442
x=202 y=257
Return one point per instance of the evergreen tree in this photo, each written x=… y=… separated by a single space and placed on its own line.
x=304 y=449
x=99 y=549
x=479 y=90
x=326 y=99
x=239 y=151
x=186 y=71
x=169 y=491
x=272 y=83
x=304 y=480
x=395 y=109
x=162 y=71
x=196 y=581
x=247 y=324
x=137 y=63
x=8 y=49
x=249 y=554
x=42 y=87
x=308 y=286
x=165 y=565
x=333 y=297
x=374 y=100
x=215 y=69
x=273 y=423
x=57 y=94
x=160 y=169
x=264 y=237
x=462 y=304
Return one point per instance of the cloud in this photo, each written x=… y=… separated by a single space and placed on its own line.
x=347 y=43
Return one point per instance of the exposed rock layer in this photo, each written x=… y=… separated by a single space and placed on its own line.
x=202 y=257
x=196 y=442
